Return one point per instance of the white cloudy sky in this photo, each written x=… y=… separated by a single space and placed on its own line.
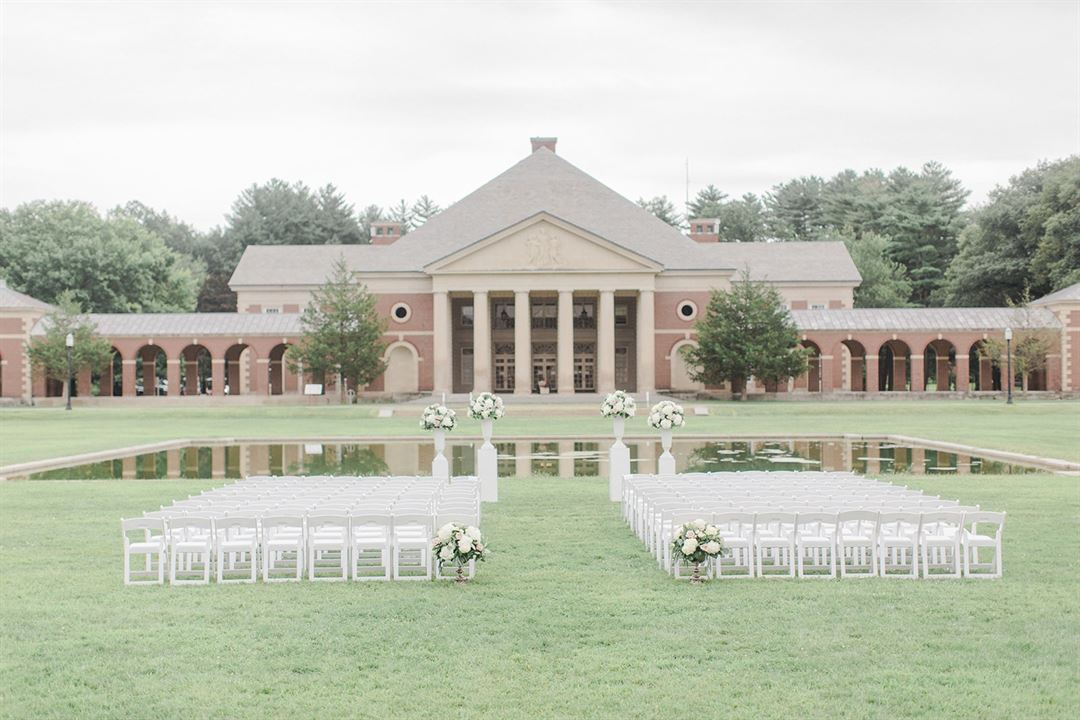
x=182 y=105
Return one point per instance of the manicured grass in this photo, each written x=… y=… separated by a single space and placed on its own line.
x=1044 y=428
x=569 y=619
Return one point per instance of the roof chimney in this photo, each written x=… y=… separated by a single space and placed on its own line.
x=543 y=142
x=385 y=233
x=704 y=230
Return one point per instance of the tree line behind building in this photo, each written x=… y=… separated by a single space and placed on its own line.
x=908 y=232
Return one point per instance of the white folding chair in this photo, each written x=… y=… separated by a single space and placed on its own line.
x=152 y=542
x=972 y=541
x=412 y=538
x=898 y=540
x=237 y=541
x=774 y=532
x=815 y=536
x=282 y=536
x=370 y=534
x=856 y=542
x=193 y=544
x=327 y=539
x=939 y=543
x=737 y=531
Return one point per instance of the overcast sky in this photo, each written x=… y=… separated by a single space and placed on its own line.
x=182 y=105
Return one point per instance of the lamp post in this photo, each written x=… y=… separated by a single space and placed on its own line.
x=1008 y=363
x=69 y=341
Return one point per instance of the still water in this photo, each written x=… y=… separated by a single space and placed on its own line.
x=563 y=458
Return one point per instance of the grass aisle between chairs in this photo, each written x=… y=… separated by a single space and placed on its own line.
x=569 y=618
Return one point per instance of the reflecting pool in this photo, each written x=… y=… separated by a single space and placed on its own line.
x=523 y=457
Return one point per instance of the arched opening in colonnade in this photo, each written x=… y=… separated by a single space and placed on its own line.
x=151 y=374
x=195 y=371
x=939 y=361
x=894 y=366
x=811 y=379
x=238 y=361
x=109 y=380
x=855 y=358
x=402 y=373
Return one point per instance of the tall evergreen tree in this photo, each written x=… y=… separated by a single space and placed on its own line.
x=923 y=222
x=795 y=209
x=423 y=210
x=884 y=282
x=335 y=218
x=663 y=209
x=342 y=333
x=277 y=213
x=746 y=332
x=370 y=214
x=706 y=204
x=402 y=213
x=742 y=220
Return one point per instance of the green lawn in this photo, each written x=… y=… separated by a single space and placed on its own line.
x=1044 y=428
x=569 y=619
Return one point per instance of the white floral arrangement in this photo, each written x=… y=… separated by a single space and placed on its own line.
x=457 y=543
x=486 y=406
x=696 y=542
x=618 y=404
x=666 y=415
x=438 y=417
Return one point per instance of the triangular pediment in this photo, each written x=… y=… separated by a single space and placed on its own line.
x=543 y=243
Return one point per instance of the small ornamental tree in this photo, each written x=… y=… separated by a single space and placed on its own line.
x=746 y=332
x=48 y=353
x=1030 y=346
x=342 y=333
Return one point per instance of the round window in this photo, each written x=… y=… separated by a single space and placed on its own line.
x=687 y=310
x=401 y=312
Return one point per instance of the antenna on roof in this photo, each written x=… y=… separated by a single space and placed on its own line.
x=686 y=202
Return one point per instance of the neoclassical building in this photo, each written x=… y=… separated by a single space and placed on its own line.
x=544 y=280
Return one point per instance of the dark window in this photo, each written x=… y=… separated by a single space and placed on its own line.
x=401 y=312
x=686 y=310
x=466 y=316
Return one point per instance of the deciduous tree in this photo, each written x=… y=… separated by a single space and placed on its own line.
x=48 y=352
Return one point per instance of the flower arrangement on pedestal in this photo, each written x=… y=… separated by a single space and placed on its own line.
x=666 y=416
x=459 y=544
x=486 y=406
x=696 y=542
x=438 y=417
x=619 y=404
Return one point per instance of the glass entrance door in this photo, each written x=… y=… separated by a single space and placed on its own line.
x=504 y=368
x=545 y=368
x=585 y=367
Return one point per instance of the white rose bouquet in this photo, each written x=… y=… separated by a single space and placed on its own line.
x=666 y=415
x=459 y=544
x=438 y=417
x=618 y=404
x=486 y=406
x=696 y=542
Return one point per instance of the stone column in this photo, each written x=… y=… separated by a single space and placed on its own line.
x=963 y=373
x=646 y=343
x=986 y=375
x=605 y=342
x=481 y=342
x=172 y=376
x=899 y=369
x=149 y=376
x=565 y=360
x=191 y=375
x=855 y=377
x=443 y=351
x=918 y=373
x=522 y=343
x=258 y=373
x=127 y=381
x=872 y=373
x=217 y=376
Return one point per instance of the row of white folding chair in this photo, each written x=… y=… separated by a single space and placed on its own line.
x=947 y=540
x=184 y=536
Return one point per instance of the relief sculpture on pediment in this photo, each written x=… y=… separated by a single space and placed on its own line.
x=545 y=249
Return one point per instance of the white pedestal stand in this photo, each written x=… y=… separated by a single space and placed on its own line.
x=666 y=464
x=618 y=462
x=440 y=468
x=487 y=465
